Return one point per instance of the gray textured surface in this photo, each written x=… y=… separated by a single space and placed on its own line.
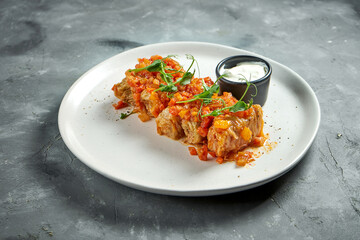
x=44 y=190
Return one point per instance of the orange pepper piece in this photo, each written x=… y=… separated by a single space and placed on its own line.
x=222 y=124
x=246 y=134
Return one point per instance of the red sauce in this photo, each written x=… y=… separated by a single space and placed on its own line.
x=120 y=105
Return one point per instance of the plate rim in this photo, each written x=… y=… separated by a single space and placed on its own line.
x=191 y=193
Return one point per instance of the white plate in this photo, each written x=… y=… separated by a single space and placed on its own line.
x=132 y=153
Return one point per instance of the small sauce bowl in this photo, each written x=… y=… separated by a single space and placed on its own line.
x=236 y=87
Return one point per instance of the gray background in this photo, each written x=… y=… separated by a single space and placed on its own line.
x=47 y=193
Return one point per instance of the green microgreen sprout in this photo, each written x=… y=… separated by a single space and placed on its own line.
x=160 y=66
x=206 y=95
x=126 y=114
x=206 y=98
x=157 y=66
x=170 y=95
x=239 y=106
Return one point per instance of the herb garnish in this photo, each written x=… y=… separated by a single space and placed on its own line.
x=155 y=66
x=125 y=115
x=239 y=106
x=186 y=79
x=206 y=97
x=159 y=66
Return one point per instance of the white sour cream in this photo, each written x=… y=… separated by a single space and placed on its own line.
x=243 y=71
